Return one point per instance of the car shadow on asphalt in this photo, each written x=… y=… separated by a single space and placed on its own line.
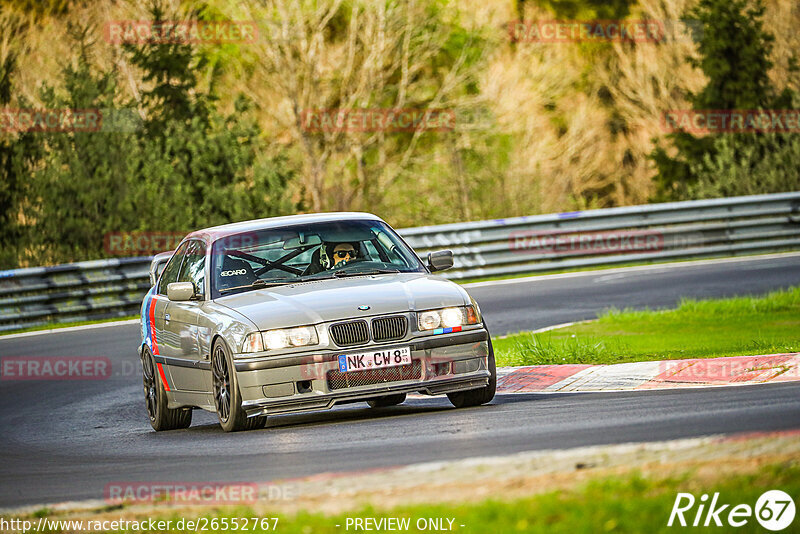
x=357 y=412
x=339 y=415
x=412 y=407
x=511 y=398
x=351 y=414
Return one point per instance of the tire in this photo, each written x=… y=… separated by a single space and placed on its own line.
x=388 y=400
x=227 y=397
x=155 y=399
x=476 y=397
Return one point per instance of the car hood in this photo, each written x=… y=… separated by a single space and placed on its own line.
x=333 y=300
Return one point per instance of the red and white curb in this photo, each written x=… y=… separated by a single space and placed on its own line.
x=736 y=370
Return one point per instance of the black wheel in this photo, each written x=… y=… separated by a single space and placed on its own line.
x=476 y=397
x=388 y=400
x=227 y=397
x=155 y=398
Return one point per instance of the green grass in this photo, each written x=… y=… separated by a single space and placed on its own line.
x=696 y=329
x=631 y=502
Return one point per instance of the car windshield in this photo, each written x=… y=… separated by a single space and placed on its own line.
x=261 y=258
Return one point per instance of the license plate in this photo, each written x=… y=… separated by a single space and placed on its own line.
x=376 y=359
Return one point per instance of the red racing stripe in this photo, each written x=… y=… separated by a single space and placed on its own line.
x=152 y=313
x=163 y=376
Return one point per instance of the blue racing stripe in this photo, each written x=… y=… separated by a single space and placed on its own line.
x=145 y=315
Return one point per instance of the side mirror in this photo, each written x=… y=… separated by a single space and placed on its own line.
x=440 y=260
x=180 y=291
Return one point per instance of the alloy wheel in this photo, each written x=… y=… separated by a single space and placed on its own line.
x=149 y=383
x=222 y=384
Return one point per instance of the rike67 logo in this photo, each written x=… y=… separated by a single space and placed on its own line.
x=774 y=510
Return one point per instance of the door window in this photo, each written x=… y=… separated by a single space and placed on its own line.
x=170 y=273
x=194 y=266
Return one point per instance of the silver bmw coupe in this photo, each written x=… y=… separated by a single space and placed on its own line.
x=300 y=313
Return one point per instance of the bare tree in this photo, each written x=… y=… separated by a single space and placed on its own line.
x=358 y=56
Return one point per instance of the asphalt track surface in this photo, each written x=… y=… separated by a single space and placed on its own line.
x=65 y=440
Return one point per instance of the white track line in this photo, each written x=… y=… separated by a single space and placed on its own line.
x=675 y=265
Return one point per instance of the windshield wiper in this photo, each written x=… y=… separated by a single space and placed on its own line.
x=342 y=274
x=258 y=284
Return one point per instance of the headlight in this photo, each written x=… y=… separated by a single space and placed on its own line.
x=253 y=343
x=447 y=318
x=290 y=337
x=452 y=317
x=429 y=320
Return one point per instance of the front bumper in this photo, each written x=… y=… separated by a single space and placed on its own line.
x=441 y=364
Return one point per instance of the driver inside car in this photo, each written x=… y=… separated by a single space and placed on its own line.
x=343 y=252
x=330 y=255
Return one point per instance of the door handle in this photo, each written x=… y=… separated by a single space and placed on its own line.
x=166 y=318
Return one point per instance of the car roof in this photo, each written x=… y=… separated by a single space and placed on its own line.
x=216 y=232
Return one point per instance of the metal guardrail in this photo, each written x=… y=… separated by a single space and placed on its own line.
x=677 y=230
x=502 y=247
